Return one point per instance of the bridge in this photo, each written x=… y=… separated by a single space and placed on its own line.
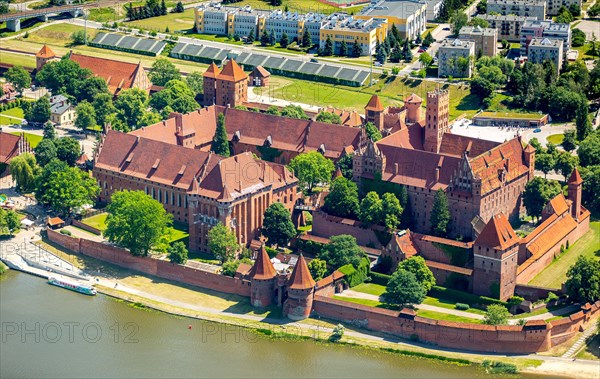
x=13 y=20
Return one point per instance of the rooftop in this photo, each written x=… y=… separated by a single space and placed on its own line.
x=401 y=9
x=477 y=30
x=118 y=75
x=547 y=42
x=351 y=23
x=498 y=234
x=455 y=43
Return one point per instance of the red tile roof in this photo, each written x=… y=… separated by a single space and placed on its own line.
x=301 y=279
x=212 y=72
x=54 y=221
x=450 y=268
x=454 y=144
x=413 y=99
x=260 y=72
x=575 y=178
x=9 y=146
x=498 y=234
x=558 y=204
x=349 y=118
x=262 y=269
x=45 y=52
x=232 y=72
x=118 y=75
x=409 y=136
x=374 y=104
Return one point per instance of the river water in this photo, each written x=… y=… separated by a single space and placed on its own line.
x=51 y=332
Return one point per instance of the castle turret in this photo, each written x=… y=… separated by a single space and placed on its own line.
x=43 y=56
x=574 y=184
x=436 y=119
x=529 y=155
x=209 y=84
x=300 y=289
x=374 y=112
x=495 y=259
x=413 y=108
x=263 y=279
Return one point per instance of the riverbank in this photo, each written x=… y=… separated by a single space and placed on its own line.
x=3 y=268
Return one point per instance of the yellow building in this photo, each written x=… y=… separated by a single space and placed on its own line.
x=351 y=30
x=409 y=16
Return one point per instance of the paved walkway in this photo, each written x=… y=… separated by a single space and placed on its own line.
x=580 y=342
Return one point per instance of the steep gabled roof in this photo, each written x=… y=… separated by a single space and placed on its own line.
x=262 y=269
x=497 y=234
x=301 y=279
x=212 y=71
x=575 y=178
x=45 y=52
x=9 y=146
x=374 y=104
x=232 y=72
x=413 y=99
x=261 y=72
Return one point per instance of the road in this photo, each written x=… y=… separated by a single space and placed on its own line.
x=87 y=142
x=439 y=34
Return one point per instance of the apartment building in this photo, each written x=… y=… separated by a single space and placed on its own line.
x=543 y=49
x=552 y=6
x=544 y=29
x=525 y=8
x=348 y=29
x=434 y=8
x=509 y=27
x=409 y=16
x=450 y=54
x=486 y=39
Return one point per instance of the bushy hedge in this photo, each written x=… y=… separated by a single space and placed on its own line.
x=379 y=278
x=65 y=232
x=463 y=297
x=495 y=367
x=462 y=306
x=356 y=275
x=10 y=105
x=310 y=247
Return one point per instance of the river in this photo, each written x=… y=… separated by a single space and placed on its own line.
x=51 y=332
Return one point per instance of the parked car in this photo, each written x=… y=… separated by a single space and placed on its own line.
x=377 y=64
x=446 y=28
x=314 y=60
x=537 y=130
x=421 y=50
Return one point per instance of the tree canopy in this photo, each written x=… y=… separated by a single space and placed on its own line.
x=328 y=117
x=9 y=222
x=45 y=151
x=163 y=71
x=222 y=242
x=317 y=268
x=537 y=194
x=371 y=208
x=277 y=225
x=340 y=251
x=440 y=214
x=403 y=288
x=136 y=221
x=178 y=253
x=423 y=274
x=583 y=280
x=312 y=168
x=19 y=77
x=496 y=314
x=85 y=115
x=67 y=150
x=342 y=199
x=131 y=107
x=220 y=144
x=24 y=170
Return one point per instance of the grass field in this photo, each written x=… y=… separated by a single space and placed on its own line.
x=300 y=6
x=17 y=59
x=555 y=274
x=556 y=138
x=517 y=115
x=592 y=350
x=446 y=317
x=57 y=34
x=107 y=14
x=175 y=21
x=33 y=139
x=8 y=117
x=97 y=221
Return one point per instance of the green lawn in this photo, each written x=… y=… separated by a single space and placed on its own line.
x=446 y=317
x=17 y=59
x=33 y=139
x=555 y=274
x=97 y=221
x=57 y=34
x=368 y=302
x=370 y=288
x=178 y=232
x=300 y=6
x=592 y=349
x=8 y=117
x=556 y=138
x=519 y=115
x=175 y=21
x=585 y=52
x=107 y=14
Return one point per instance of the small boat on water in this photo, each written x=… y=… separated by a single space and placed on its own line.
x=73 y=286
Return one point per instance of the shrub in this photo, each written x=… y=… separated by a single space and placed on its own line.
x=495 y=367
x=551 y=297
x=337 y=333
x=462 y=306
x=356 y=276
x=272 y=252
x=515 y=301
x=65 y=232
x=379 y=278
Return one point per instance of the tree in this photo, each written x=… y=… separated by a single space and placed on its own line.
x=79 y=38
x=380 y=55
x=425 y=59
x=406 y=51
x=312 y=168
x=476 y=21
x=131 y=106
x=565 y=163
x=440 y=214
x=582 y=119
x=277 y=225
x=342 y=199
x=391 y=211
x=9 y=223
x=179 y=7
x=545 y=163
x=564 y=16
x=49 y=131
x=178 y=253
x=372 y=132
x=64 y=188
x=423 y=274
x=284 y=41
x=371 y=209
x=496 y=314
x=345 y=165
x=24 y=170
x=569 y=143
x=537 y=194
x=306 y=39
x=222 y=242
x=45 y=151
x=67 y=150
x=195 y=82
x=136 y=221
x=458 y=20
x=356 y=49
x=343 y=49
x=103 y=106
x=428 y=40
x=577 y=37
x=39 y=112
x=328 y=49
x=264 y=39
x=85 y=115
x=403 y=288
x=274 y=110
x=482 y=87
x=55 y=76
x=317 y=268
x=220 y=144
x=19 y=77
x=591 y=183
x=250 y=36
x=328 y=117
x=272 y=38
x=294 y=111
x=341 y=250
x=589 y=150
x=163 y=71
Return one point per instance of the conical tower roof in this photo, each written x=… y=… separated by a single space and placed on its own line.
x=301 y=279
x=575 y=177
x=233 y=72
x=212 y=71
x=263 y=268
x=45 y=52
x=374 y=104
x=497 y=233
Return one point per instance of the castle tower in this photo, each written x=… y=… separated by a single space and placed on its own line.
x=231 y=86
x=529 y=155
x=301 y=287
x=413 y=108
x=367 y=160
x=43 y=56
x=575 y=183
x=436 y=119
x=210 y=84
x=374 y=112
x=263 y=279
x=495 y=259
